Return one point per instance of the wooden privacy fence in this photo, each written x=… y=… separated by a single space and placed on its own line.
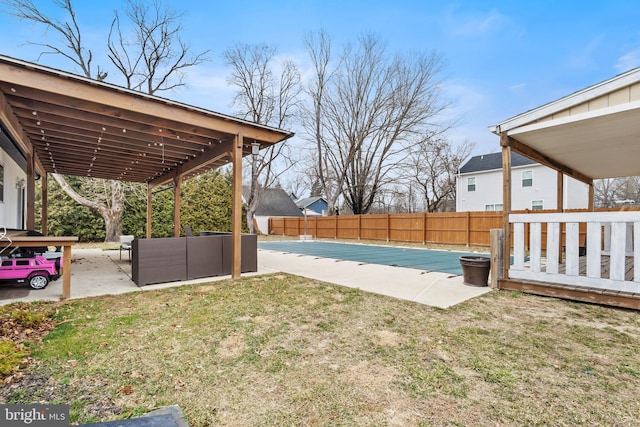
x=454 y=228
x=448 y=228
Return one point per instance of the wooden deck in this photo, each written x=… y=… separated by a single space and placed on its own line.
x=580 y=293
x=556 y=265
x=604 y=267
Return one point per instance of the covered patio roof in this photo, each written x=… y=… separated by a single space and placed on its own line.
x=57 y=122
x=79 y=126
x=591 y=134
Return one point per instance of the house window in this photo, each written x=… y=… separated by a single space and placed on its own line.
x=537 y=205
x=493 y=207
x=1 y=183
x=527 y=178
x=471 y=184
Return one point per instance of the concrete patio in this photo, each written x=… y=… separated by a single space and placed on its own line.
x=96 y=272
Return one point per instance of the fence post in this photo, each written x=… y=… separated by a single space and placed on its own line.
x=424 y=228
x=359 y=226
x=497 y=256
x=468 y=228
x=388 y=227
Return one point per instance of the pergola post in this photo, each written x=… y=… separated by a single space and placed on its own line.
x=31 y=191
x=236 y=222
x=560 y=192
x=45 y=202
x=506 y=200
x=177 y=190
x=560 y=208
x=149 y=209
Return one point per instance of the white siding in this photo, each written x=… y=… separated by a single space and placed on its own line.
x=489 y=190
x=8 y=207
x=262 y=222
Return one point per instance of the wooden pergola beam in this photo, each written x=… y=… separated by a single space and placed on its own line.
x=216 y=154
x=543 y=159
x=10 y=120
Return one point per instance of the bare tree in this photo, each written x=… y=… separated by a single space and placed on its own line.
x=434 y=163
x=330 y=176
x=604 y=192
x=369 y=110
x=629 y=190
x=267 y=98
x=148 y=61
x=615 y=192
x=153 y=57
x=73 y=49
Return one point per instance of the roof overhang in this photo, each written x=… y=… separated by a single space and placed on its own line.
x=602 y=142
x=82 y=127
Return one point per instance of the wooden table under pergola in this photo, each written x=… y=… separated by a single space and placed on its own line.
x=63 y=123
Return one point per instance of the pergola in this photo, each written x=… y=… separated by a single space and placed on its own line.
x=71 y=125
x=590 y=134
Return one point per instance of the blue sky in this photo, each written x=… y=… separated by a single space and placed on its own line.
x=502 y=57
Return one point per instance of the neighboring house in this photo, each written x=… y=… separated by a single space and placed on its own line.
x=275 y=203
x=13 y=175
x=479 y=185
x=315 y=205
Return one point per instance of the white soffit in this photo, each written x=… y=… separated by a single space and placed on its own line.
x=603 y=143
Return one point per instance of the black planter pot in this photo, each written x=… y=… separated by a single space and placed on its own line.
x=475 y=270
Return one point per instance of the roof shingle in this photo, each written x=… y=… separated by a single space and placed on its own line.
x=493 y=161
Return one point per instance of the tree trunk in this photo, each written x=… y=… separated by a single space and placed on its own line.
x=113 y=225
x=111 y=213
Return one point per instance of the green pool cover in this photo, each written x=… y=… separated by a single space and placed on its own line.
x=421 y=259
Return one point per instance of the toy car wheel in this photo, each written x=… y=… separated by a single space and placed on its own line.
x=38 y=281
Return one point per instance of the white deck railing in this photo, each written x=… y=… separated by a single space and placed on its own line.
x=609 y=234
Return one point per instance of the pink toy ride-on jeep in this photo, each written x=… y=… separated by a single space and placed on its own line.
x=36 y=270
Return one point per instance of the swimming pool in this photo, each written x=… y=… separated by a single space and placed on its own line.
x=420 y=259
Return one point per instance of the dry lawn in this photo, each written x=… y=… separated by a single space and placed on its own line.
x=285 y=350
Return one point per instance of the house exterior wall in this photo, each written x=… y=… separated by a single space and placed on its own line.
x=319 y=206
x=12 y=174
x=262 y=222
x=488 y=190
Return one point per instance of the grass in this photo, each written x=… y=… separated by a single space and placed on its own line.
x=11 y=356
x=285 y=350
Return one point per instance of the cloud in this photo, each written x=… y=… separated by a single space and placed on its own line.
x=477 y=24
x=518 y=89
x=628 y=61
x=470 y=114
x=464 y=96
x=584 y=57
x=206 y=87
